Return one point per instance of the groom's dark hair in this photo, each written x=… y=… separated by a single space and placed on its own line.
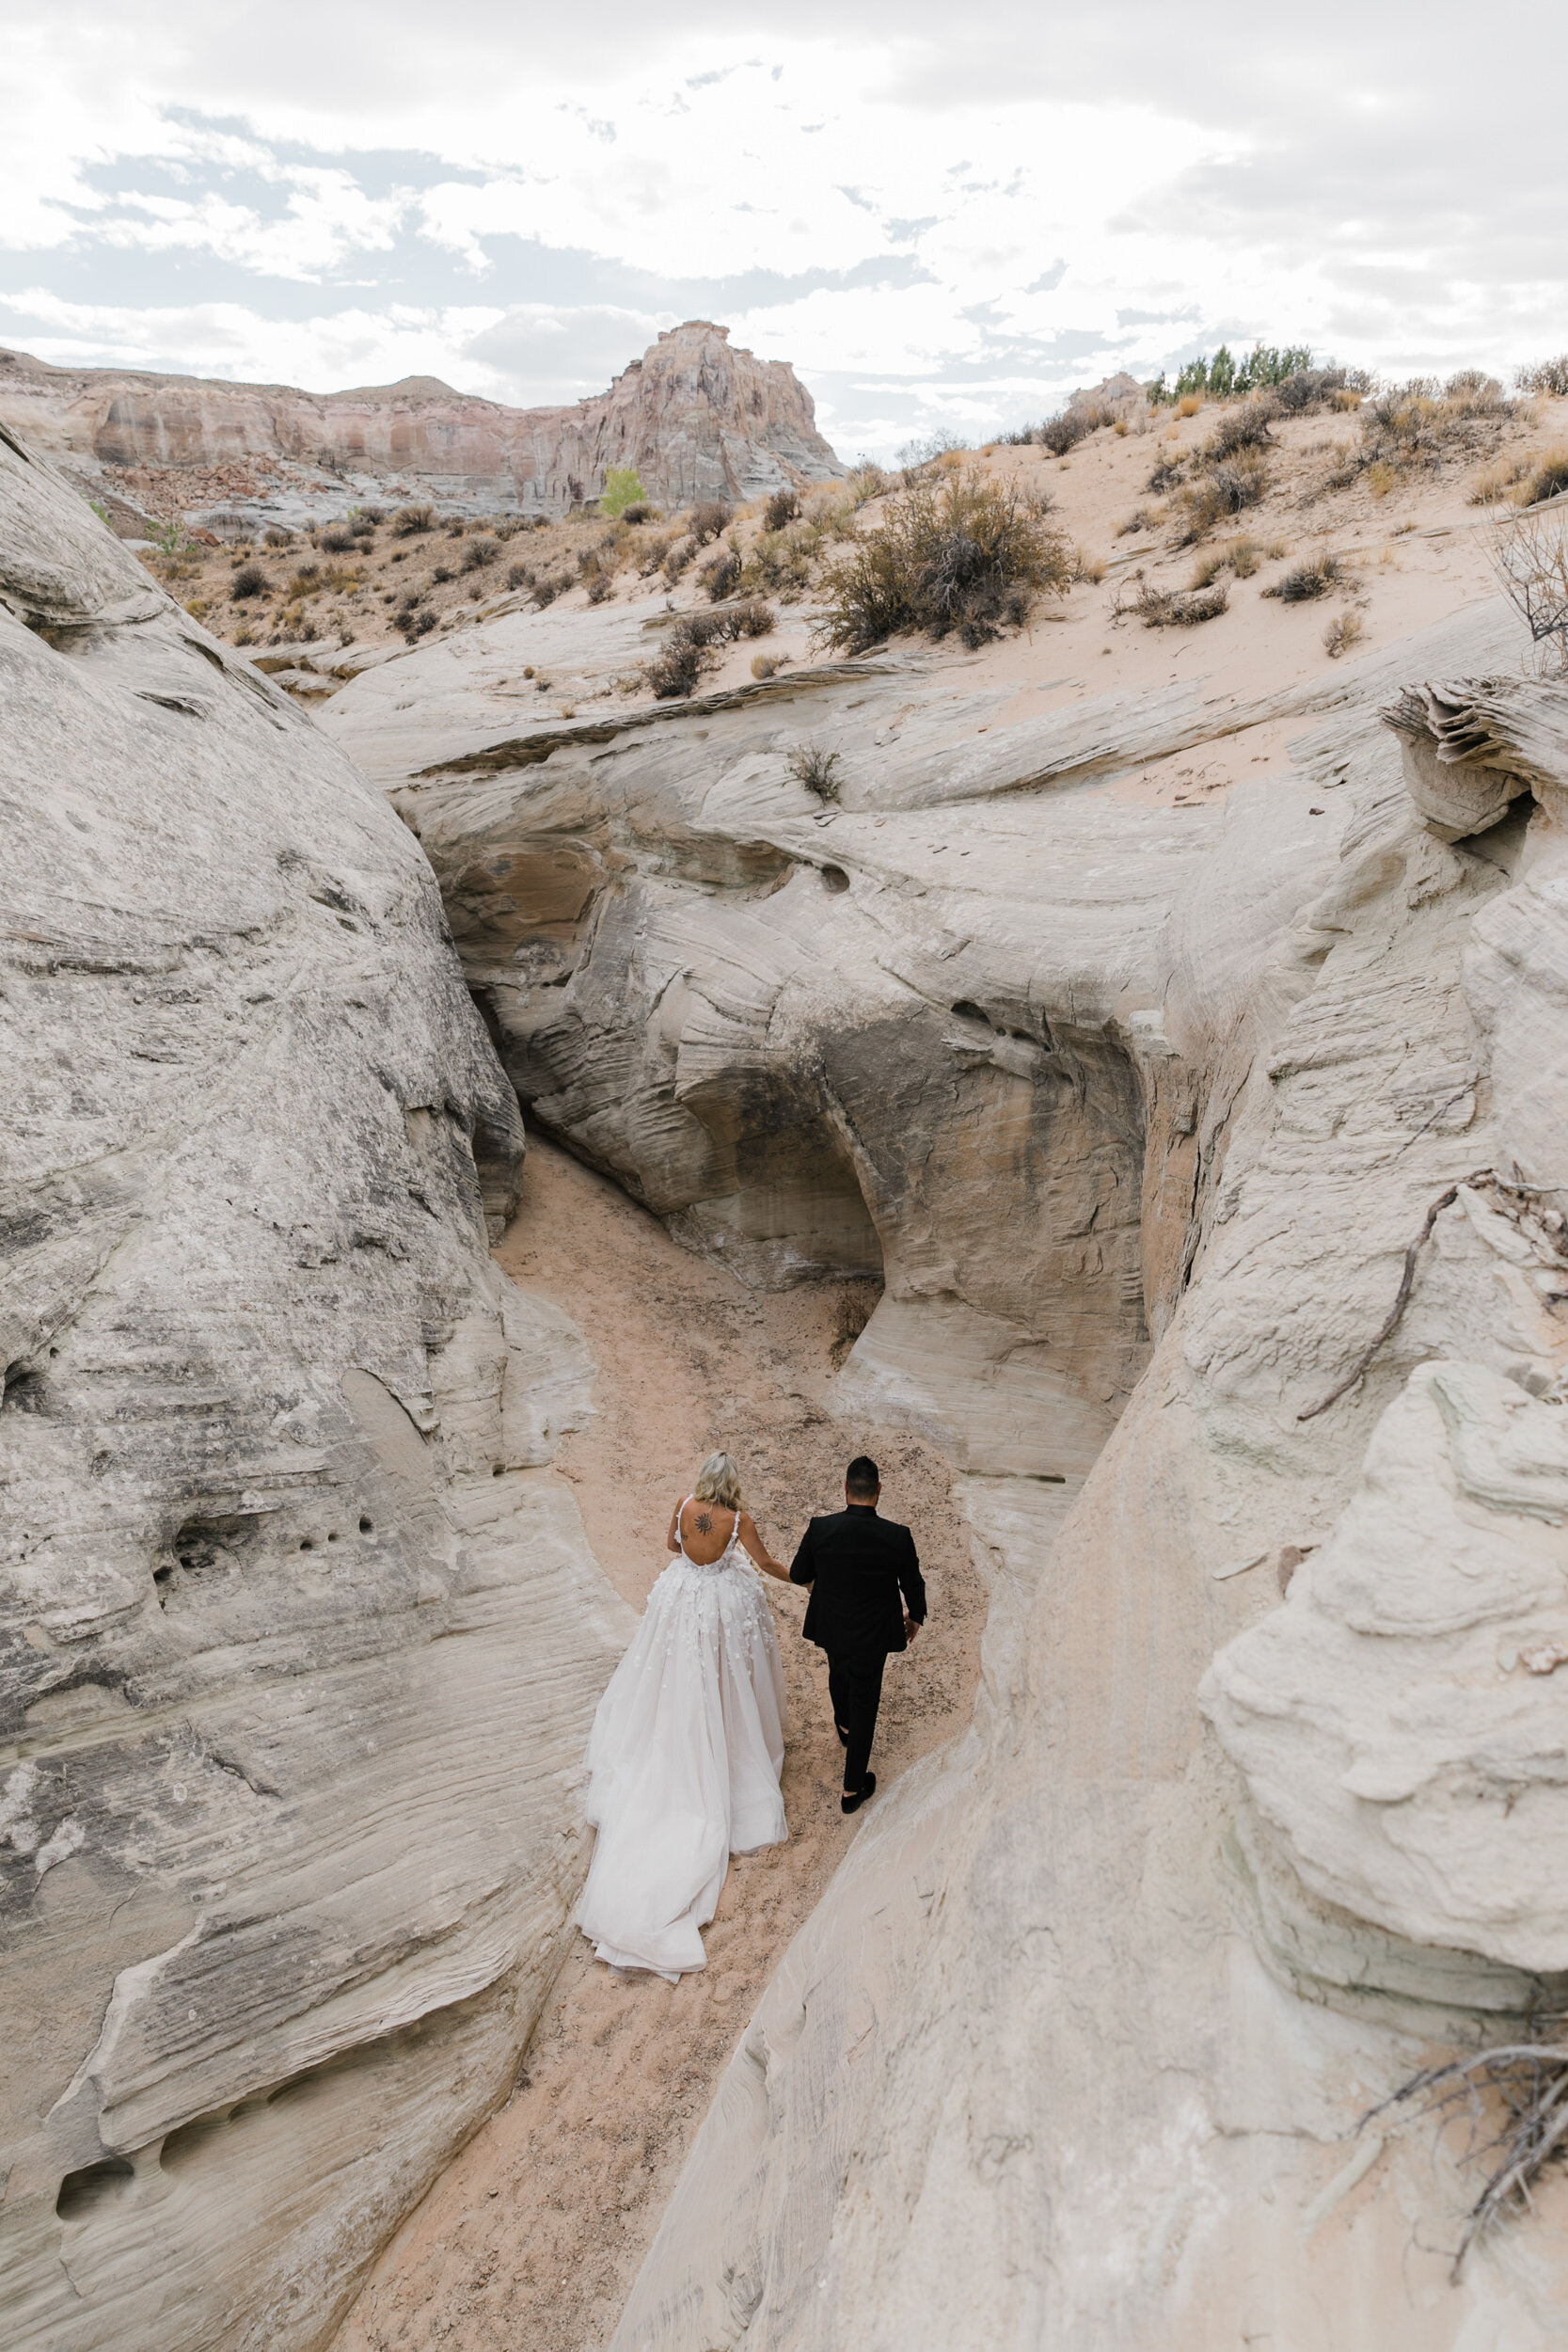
x=862 y=1477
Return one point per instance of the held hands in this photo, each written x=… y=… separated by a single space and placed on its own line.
x=912 y=1626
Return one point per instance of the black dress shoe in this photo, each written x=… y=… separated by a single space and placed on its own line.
x=853 y=1804
x=842 y=1735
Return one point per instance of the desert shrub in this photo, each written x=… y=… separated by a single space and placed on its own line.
x=1495 y=482
x=677 y=560
x=1547 y=479
x=1141 y=518
x=276 y=538
x=1241 y=556
x=1086 y=567
x=409 y=521
x=622 y=490
x=1411 y=428
x=249 y=581
x=478 y=553
x=1549 y=377
x=781 y=508
x=1304 y=582
x=600 y=588
x=442 y=573
x=1061 y=434
x=639 y=512
x=750 y=619
x=519 y=576
x=1472 y=393
x=785 y=562
x=1307 y=388
x=455 y=527
x=651 y=554
x=709 y=519
x=1243 y=428
x=338 y=539
x=307 y=578
x=763 y=665
x=1179 y=608
x=1531 y=557
x=1228 y=489
x=548 y=587
x=968 y=555
x=1343 y=631
x=720 y=575
x=816 y=769
x=687 y=653
x=369 y=518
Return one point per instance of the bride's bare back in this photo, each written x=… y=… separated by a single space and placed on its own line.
x=703 y=1530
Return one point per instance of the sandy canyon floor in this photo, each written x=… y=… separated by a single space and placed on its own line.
x=533 y=2237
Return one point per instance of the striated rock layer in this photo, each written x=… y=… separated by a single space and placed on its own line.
x=695 y=417
x=300 y=1635
x=1144 y=1113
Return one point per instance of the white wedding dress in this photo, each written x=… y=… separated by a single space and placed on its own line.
x=685 y=1758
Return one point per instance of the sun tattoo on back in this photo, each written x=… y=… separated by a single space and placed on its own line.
x=704 y=1524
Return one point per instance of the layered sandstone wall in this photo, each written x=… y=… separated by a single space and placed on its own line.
x=299 y=1635
x=1138 y=1108
x=694 y=416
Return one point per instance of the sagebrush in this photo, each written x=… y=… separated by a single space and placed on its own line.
x=967 y=556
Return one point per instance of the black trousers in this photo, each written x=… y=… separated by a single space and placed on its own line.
x=855 y=1688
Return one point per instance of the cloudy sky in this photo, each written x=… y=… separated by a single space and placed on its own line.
x=945 y=220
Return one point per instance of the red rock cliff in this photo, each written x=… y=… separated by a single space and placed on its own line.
x=695 y=417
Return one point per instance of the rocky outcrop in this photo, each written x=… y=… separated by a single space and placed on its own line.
x=1140 y=1111
x=300 y=1634
x=695 y=417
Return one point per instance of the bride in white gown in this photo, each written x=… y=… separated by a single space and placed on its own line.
x=687 y=1744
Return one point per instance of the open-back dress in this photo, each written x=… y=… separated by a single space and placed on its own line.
x=684 y=1762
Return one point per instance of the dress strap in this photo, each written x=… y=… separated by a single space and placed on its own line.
x=680 y=1533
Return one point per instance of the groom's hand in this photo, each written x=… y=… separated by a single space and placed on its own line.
x=911 y=1626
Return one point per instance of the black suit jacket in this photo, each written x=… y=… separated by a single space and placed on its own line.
x=857 y=1566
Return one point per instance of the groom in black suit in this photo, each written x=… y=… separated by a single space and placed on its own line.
x=857 y=1566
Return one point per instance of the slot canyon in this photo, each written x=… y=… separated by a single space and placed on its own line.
x=1168 y=1185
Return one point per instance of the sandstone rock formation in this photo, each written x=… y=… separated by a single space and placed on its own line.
x=301 y=1636
x=695 y=417
x=1138 y=1109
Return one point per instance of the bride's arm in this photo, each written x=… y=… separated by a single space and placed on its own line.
x=759 y=1551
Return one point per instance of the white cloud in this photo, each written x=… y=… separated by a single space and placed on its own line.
x=483 y=189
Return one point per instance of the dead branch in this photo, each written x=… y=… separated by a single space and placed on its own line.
x=1531 y=2080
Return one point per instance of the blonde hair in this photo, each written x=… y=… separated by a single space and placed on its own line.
x=718 y=1481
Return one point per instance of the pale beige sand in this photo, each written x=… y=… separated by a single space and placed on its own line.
x=530 y=2241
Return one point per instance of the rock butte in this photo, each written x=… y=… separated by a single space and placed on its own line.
x=695 y=417
x=1139 y=1111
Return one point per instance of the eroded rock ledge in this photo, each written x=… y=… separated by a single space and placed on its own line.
x=300 y=1635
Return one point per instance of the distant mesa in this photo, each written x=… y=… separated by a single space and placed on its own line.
x=695 y=417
